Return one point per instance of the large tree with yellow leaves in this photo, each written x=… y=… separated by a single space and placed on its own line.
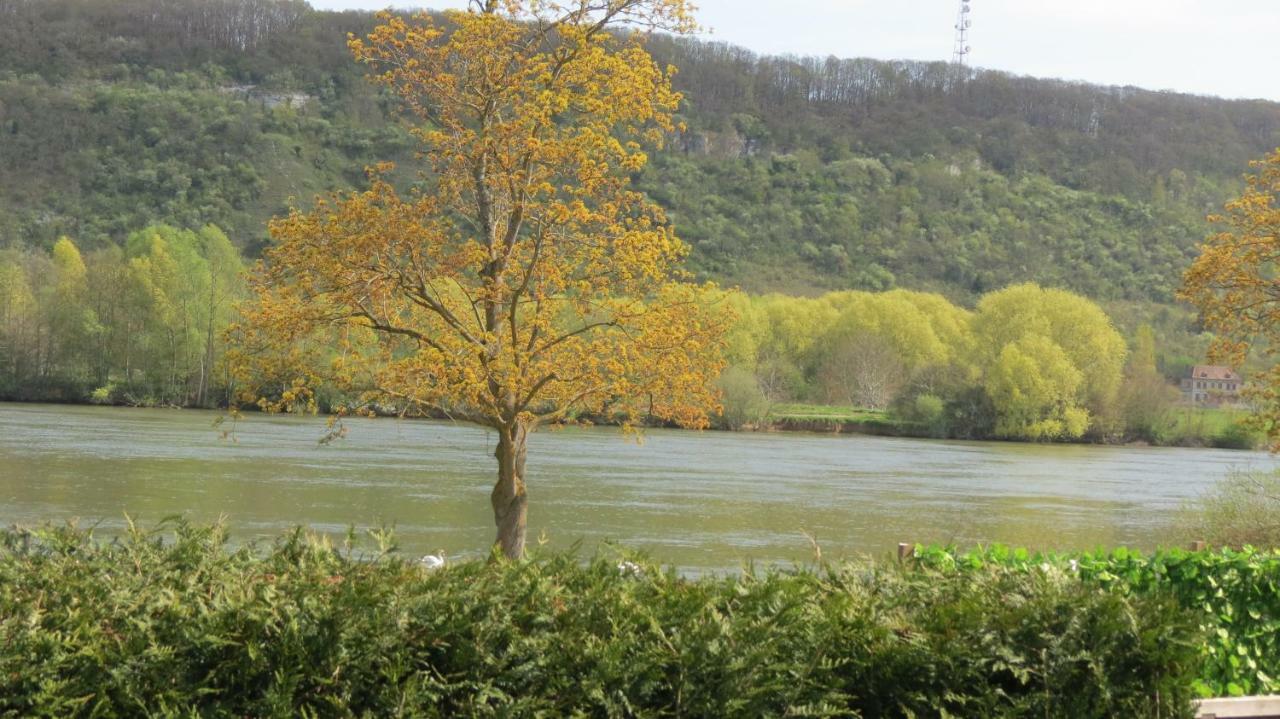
x=1235 y=283
x=523 y=281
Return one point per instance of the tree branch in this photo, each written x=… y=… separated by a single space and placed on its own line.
x=570 y=335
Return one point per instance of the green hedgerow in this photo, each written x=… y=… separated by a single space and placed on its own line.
x=179 y=624
x=1231 y=593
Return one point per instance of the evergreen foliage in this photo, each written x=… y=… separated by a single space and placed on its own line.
x=1231 y=592
x=181 y=625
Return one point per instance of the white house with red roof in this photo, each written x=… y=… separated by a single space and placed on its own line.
x=1212 y=385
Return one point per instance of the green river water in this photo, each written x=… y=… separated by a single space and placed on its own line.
x=700 y=500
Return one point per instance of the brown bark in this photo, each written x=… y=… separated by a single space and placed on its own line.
x=510 y=503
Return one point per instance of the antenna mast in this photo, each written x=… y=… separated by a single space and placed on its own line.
x=960 y=51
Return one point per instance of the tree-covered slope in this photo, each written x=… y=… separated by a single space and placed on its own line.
x=796 y=174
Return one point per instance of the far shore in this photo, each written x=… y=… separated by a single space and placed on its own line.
x=798 y=418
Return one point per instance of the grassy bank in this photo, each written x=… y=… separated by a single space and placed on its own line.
x=1180 y=427
x=177 y=624
x=828 y=418
x=1206 y=427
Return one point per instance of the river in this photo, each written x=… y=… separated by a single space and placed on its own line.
x=699 y=500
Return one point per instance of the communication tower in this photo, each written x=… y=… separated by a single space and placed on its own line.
x=960 y=50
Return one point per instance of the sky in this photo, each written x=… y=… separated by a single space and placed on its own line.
x=1226 y=48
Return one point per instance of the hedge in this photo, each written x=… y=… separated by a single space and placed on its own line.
x=175 y=622
x=1233 y=593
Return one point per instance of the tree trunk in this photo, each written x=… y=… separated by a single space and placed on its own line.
x=509 y=500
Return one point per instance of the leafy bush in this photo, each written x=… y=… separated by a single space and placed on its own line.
x=929 y=411
x=1241 y=509
x=182 y=625
x=1233 y=593
x=742 y=401
x=101 y=395
x=1235 y=436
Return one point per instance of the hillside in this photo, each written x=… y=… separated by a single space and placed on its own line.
x=795 y=174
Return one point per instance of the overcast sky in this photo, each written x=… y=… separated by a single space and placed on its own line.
x=1212 y=47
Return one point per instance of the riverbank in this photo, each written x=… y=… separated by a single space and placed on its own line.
x=1191 y=427
x=309 y=628
x=1181 y=427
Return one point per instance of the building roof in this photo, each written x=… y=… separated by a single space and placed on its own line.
x=1211 y=371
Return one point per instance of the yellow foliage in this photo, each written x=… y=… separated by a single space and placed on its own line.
x=922 y=330
x=795 y=323
x=68 y=263
x=525 y=280
x=1234 y=285
x=750 y=332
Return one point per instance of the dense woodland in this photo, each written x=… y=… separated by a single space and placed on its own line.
x=131 y=131
x=795 y=174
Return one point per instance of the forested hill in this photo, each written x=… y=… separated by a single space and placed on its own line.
x=796 y=174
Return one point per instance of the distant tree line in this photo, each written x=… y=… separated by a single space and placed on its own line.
x=140 y=323
x=1107 y=139
x=42 y=29
x=1026 y=363
x=144 y=322
x=796 y=221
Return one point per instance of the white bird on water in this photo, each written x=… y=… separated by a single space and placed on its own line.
x=433 y=561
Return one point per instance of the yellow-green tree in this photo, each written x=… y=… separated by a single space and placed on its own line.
x=1070 y=357
x=1234 y=285
x=1146 y=398
x=71 y=322
x=747 y=385
x=879 y=341
x=1035 y=388
x=750 y=333
x=524 y=280
x=947 y=322
x=18 y=321
x=786 y=330
x=225 y=285
x=159 y=287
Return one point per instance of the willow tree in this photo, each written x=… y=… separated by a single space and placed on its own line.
x=1052 y=362
x=523 y=281
x=1235 y=284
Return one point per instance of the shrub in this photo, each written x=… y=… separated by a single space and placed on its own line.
x=928 y=411
x=1234 y=436
x=1231 y=593
x=1241 y=509
x=106 y=394
x=743 y=403
x=182 y=625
